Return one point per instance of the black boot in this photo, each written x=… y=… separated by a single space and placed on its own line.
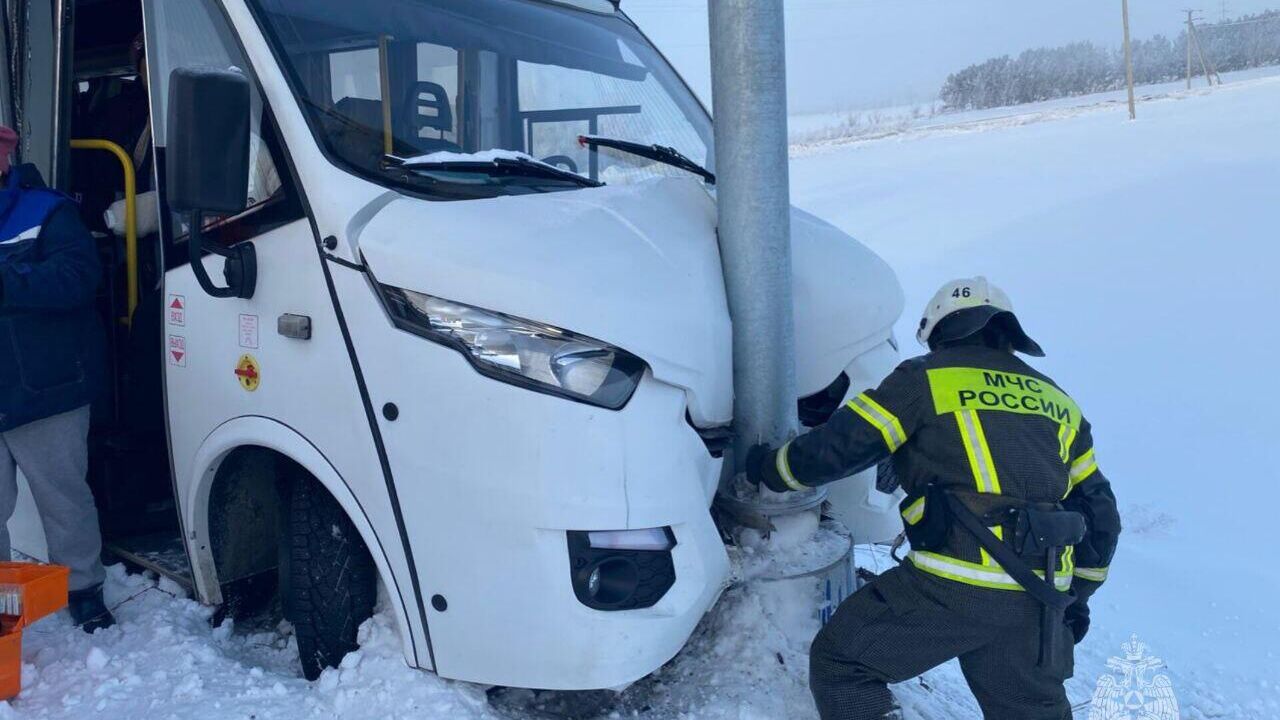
x=87 y=609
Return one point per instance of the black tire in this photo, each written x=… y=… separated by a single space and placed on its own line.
x=328 y=582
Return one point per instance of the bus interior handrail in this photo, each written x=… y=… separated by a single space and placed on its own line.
x=130 y=216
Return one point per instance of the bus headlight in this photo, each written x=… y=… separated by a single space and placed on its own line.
x=522 y=352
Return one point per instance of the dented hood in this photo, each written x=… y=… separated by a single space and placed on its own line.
x=637 y=266
x=847 y=300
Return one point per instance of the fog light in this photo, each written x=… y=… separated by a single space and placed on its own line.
x=621 y=569
x=613 y=581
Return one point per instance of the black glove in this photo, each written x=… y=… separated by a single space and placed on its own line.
x=760 y=469
x=757 y=455
x=1076 y=615
x=1077 y=619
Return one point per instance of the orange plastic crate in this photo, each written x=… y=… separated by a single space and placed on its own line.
x=10 y=664
x=29 y=592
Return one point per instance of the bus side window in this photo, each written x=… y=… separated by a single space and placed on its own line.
x=187 y=33
x=272 y=202
x=424 y=117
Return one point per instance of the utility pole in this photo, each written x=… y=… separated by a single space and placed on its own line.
x=1189 y=30
x=1128 y=61
x=749 y=95
x=1204 y=65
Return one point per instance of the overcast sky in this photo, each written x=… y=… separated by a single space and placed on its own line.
x=849 y=54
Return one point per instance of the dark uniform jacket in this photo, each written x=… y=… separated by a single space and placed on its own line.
x=50 y=337
x=987 y=427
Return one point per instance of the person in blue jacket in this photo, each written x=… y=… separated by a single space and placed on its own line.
x=49 y=272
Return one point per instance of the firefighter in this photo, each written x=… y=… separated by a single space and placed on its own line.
x=1011 y=523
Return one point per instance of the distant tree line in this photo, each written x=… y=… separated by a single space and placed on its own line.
x=1082 y=68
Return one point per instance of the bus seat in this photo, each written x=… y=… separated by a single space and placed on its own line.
x=361 y=111
x=434 y=100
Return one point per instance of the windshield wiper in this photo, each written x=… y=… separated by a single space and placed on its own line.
x=660 y=153
x=499 y=166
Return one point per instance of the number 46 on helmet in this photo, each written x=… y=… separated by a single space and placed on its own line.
x=967 y=306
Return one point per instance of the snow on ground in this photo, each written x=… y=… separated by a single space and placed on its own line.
x=164 y=660
x=1142 y=255
x=820 y=132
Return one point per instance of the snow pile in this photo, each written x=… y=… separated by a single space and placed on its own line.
x=165 y=660
x=749 y=660
x=858 y=124
x=797 y=545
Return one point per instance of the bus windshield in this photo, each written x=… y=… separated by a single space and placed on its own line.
x=401 y=80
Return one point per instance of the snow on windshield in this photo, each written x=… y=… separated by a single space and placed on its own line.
x=445 y=156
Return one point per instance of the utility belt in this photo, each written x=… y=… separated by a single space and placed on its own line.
x=1032 y=533
x=1027 y=528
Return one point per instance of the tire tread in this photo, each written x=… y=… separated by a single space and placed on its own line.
x=331 y=585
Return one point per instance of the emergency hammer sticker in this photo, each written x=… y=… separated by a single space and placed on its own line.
x=249 y=372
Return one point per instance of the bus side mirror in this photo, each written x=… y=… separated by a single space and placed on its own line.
x=207 y=166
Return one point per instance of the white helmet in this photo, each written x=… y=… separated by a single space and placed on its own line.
x=974 y=302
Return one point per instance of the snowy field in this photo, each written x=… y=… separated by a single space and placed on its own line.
x=819 y=131
x=1142 y=256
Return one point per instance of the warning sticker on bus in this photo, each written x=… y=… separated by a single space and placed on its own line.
x=176 y=309
x=249 y=372
x=177 y=351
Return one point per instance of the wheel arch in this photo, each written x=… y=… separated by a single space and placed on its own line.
x=270 y=435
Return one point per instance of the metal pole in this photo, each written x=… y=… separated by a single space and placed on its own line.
x=749 y=94
x=384 y=82
x=1189 y=12
x=1209 y=72
x=19 y=19
x=59 y=162
x=1213 y=69
x=1128 y=61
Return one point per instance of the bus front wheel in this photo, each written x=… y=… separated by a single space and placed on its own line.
x=328 y=581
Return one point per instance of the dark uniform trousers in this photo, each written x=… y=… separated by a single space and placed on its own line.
x=906 y=622
x=980 y=427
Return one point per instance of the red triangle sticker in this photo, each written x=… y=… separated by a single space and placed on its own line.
x=177 y=355
x=176 y=304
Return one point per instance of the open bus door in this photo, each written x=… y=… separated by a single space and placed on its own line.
x=68 y=67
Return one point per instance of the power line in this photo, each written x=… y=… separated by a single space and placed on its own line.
x=1255 y=21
